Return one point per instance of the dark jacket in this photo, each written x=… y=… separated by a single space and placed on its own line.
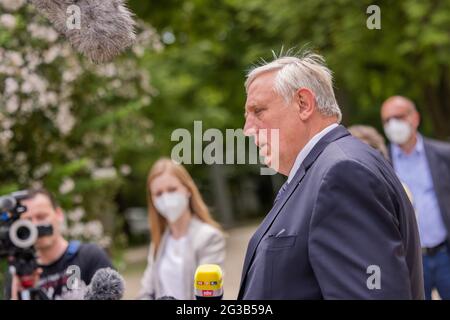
x=344 y=213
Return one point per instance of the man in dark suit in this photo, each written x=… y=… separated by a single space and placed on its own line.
x=423 y=165
x=342 y=226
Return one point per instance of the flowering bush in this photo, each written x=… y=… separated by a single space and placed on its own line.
x=64 y=120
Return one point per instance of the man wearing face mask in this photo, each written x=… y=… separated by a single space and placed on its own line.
x=424 y=165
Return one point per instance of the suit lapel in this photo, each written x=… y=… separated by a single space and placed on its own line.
x=333 y=135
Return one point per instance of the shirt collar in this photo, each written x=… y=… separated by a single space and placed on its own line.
x=418 y=148
x=307 y=149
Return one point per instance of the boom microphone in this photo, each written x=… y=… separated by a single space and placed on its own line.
x=106 y=284
x=208 y=283
x=98 y=29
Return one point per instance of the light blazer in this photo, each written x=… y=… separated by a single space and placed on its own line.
x=205 y=245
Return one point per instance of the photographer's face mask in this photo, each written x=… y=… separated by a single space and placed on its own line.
x=172 y=205
x=398 y=131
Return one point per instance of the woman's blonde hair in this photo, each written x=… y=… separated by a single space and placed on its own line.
x=196 y=203
x=370 y=136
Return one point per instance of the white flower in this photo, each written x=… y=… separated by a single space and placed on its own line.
x=77 y=230
x=36 y=184
x=48 y=98
x=67 y=186
x=11 y=86
x=64 y=119
x=125 y=169
x=104 y=173
x=15 y=58
x=27 y=87
x=8 y=21
x=12 y=5
x=27 y=106
x=6 y=136
x=108 y=70
x=7 y=70
x=69 y=75
x=33 y=60
x=21 y=157
x=76 y=215
x=51 y=54
x=42 y=170
x=39 y=84
x=6 y=123
x=12 y=105
x=104 y=242
x=93 y=229
x=42 y=33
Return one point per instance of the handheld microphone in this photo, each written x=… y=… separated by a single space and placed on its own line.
x=98 y=29
x=208 y=282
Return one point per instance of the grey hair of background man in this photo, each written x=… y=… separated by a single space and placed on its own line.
x=307 y=70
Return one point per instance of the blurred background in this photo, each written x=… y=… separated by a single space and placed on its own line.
x=90 y=133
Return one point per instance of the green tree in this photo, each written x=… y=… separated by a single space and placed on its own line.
x=66 y=123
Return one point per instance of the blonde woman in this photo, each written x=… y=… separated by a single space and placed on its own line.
x=183 y=233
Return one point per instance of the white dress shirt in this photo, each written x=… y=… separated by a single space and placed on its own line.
x=307 y=149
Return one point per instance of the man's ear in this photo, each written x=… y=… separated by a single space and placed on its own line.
x=416 y=119
x=59 y=214
x=306 y=102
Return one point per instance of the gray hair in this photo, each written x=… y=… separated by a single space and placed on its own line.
x=307 y=70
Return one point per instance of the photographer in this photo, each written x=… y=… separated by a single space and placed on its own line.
x=54 y=253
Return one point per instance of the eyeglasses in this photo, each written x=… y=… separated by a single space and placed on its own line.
x=398 y=116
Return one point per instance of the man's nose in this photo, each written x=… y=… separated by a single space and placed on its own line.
x=249 y=127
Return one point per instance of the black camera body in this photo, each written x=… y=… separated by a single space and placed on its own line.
x=18 y=236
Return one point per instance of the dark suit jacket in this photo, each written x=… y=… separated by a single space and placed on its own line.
x=438 y=156
x=344 y=211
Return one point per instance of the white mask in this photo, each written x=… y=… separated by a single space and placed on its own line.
x=172 y=205
x=398 y=131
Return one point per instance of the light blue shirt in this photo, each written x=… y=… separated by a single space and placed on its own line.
x=413 y=169
x=307 y=149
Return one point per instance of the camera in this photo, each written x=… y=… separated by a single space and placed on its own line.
x=15 y=234
x=18 y=237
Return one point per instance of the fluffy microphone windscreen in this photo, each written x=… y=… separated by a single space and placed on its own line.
x=104 y=29
x=106 y=284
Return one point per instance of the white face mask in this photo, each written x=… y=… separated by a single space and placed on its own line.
x=172 y=205
x=398 y=131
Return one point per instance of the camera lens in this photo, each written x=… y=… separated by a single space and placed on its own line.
x=23 y=233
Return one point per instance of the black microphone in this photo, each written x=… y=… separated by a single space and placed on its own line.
x=98 y=29
x=166 y=298
x=7 y=203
